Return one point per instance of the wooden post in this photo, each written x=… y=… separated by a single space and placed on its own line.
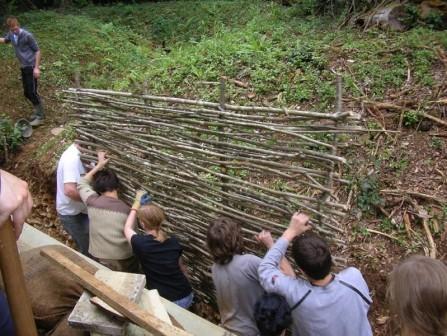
x=223 y=167
x=14 y=281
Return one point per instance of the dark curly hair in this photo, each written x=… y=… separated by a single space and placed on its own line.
x=272 y=314
x=312 y=255
x=105 y=180
x=224 y=239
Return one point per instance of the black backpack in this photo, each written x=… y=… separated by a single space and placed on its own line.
x=273 y=314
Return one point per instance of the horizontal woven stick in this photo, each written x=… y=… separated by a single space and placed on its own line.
x=282 y=130
x=344 y=115
x=290 y=195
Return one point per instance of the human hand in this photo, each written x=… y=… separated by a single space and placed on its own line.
x=264 y=237
x=15 y=201
x=137 y=200
x=102 y=160
x=298 y=225
x=36 y=73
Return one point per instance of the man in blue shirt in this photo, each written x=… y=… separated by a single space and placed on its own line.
x=28 y=54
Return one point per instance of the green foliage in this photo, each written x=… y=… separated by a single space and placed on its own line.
x=436 y=143
x=10 y=137
x=369 y=194
x=435 y=19
x=399 y=164
x=411 y=118
x=284 y=54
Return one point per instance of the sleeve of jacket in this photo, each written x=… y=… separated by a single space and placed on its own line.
x=270 y=276
x=7 y=38
x=32 y=42
x=85 y=190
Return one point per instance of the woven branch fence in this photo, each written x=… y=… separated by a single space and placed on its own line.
x=201 y=159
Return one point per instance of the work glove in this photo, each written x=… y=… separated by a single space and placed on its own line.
x=139 y=196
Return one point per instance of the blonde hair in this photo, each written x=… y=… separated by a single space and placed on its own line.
x=12 y=21
x=417 y=293
x=151 y=217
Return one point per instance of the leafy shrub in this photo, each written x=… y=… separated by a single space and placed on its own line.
x=10 y=137
x=411 y=118
x=369 y=194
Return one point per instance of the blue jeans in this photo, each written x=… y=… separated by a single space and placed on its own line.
x=186 y=302
x=77 y=227
x=6 y=325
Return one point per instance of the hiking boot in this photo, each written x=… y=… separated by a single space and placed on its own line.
x=36 y=121
x=38 y=115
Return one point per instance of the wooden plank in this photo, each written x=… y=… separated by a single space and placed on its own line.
x=89 y=317
x=194 y=324
x=151 y=301
x=117 y=301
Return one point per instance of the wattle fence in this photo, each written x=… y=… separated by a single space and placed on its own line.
x=200 y=160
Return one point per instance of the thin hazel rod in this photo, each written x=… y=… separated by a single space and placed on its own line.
x=343 y=115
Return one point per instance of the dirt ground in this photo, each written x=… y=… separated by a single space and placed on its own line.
x=409 y=161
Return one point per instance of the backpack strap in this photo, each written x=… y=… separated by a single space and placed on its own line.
x=368 y=302
x=300 y=301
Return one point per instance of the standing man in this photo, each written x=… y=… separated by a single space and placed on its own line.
x=28 y=54
x=70 y=208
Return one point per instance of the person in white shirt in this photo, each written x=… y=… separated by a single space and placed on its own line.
x=70 y=208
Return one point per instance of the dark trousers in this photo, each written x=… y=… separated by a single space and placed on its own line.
x=6 y=325
x=30 y=85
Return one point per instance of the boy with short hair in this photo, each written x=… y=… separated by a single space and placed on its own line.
x=326 y=304
x=29 y=55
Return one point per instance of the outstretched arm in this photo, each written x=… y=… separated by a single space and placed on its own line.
x=265 y=238
x=271 y=278
x=130 y=222
x=102 y=161
x=84 y=187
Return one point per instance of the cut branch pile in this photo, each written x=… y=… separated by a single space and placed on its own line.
x=200 y=160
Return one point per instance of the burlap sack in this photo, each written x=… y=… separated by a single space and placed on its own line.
x=53 y=293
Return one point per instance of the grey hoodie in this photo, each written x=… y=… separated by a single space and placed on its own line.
x=25 y=47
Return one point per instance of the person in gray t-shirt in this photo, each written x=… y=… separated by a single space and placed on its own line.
x=28 y=54
x=324 y=304
x=235 y=275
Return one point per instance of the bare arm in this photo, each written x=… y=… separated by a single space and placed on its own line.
x=71 y=190
x=183 y=268
x=102 y=161
x=266 y=239
x=36 y=70
x=130 y=224
x=2 y=40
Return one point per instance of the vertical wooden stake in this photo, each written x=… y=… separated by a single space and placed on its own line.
x=12 y=272
x=223 y=167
